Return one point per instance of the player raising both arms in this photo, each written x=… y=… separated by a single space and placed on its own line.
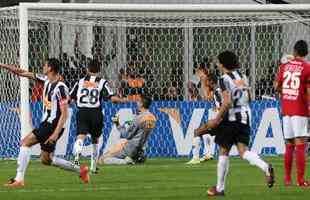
x=89 y=93
x=55 y=113
x=293 y=84
x=203 y=130
x=232 y=122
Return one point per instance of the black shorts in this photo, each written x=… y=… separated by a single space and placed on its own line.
x=210 y=131
x=89 y=121
x=230 y=133
x=42 y=133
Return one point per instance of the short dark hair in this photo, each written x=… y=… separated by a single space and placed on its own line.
x=229 y=60
x=146 y=101
x=94 y=66
x=301 y=48
x=54 y=64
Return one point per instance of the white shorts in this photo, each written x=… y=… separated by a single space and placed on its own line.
x=295 y=126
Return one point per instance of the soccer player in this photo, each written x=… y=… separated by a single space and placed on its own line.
x=293 y=81
x=131 y=150
x=89 y=93
x=203 y=130
x=232 y=122
x=55 y=114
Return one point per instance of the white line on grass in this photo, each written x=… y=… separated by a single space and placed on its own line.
x=104 y=188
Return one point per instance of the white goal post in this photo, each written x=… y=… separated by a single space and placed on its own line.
x=167 y=40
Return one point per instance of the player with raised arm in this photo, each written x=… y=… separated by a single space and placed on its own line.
x=89 y=93
x=232 y=122
x=293 y=85
x=55 y=113
x=203 y=130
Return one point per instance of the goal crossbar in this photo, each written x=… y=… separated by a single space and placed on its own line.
x=168 y=7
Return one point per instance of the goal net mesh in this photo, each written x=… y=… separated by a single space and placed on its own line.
x=160 y=49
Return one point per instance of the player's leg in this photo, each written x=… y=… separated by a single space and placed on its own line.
x=117 y=158
x=225 y=141
x=288 y=161
x=222 y=172
x=95 y=131
x=289 y=149
x=47 y=158
x=47 y=149
x=78 y=147
x=198 y=133
x=255 y=160
x=94 y=155
x=82 y=120
x=112 y=151
x=118 y=161
x=23 y=160
x=300 y=151
x=208 y=141
x=195 y=150
x=300 y=129
x=242 y=138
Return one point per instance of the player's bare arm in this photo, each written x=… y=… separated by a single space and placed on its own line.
x=201 y=130
x=62 y=120
x=206 y=92
x=116 y=99
x=277 y=86
x=222 y=110
x=18 y=71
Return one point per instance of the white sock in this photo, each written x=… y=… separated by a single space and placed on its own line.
x=77 y=148
x=22 y=162
x=94 y=157
x=64 y=164
x=207 y=144
x=254 y=159
x=196 y=147
x=222 y=171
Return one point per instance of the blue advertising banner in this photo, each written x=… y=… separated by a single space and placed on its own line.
x=172 y=136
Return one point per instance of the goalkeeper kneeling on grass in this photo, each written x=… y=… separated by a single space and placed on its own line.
x=134 y=135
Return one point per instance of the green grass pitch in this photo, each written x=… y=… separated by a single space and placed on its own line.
x=164 y=179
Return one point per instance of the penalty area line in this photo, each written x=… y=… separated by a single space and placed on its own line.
x=101 y=188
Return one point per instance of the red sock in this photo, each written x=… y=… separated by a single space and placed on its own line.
x=288 y=161
x=300 y=162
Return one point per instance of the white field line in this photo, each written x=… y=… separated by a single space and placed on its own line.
x=105 y=188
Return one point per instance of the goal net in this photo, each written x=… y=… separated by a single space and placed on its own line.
x=159 y=47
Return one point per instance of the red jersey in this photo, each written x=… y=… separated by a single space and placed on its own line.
x=293 y=78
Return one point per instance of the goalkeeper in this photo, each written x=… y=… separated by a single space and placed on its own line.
x=134 y=134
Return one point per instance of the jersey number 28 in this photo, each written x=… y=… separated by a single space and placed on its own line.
x=89 y=96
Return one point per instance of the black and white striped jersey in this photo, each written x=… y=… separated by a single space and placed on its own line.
x=237 y=85
x=55 y=94
x=217 y=97
x=90 y=91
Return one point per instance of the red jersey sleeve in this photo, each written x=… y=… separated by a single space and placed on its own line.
x=308 y=76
